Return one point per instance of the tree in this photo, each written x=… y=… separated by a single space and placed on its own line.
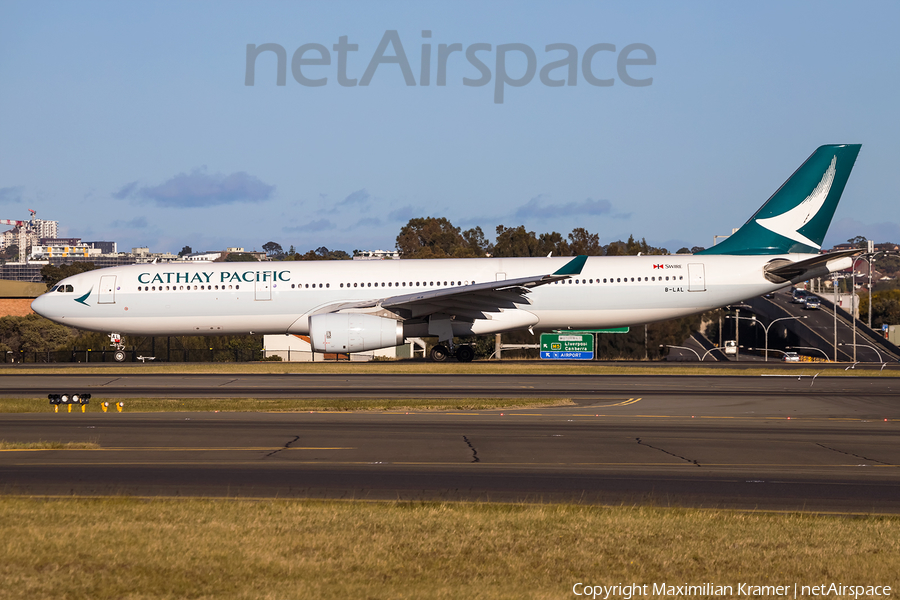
x=516 y=242
x=11 y=252
x=632 y=247
x=32 y=333
x=478 y=244
x=240 y=257
x=53 y=275
x=885 y=307
x=553 y=243
x=323 y=253
x=273 y=249
x=431 y=237
x=185 y=251
x=581 y=241
x=858 y=241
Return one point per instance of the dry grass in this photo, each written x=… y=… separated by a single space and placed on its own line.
x=224 y=549
x=132 y=405
x=41 y=445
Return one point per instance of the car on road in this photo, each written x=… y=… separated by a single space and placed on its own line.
x=791 y=357
x=811 y=303
x=798 y=296
x=730 y=347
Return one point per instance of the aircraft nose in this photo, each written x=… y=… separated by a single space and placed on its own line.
x=41 y=305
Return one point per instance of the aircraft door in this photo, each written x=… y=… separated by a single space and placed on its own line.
x=263 y=290
x=107 y=294
x=696 y=278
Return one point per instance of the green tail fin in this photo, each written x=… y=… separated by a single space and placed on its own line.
x=796 y=217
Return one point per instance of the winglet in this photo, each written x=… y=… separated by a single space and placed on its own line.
x=573 y=267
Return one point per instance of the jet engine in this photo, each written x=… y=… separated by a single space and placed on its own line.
x=353 y=332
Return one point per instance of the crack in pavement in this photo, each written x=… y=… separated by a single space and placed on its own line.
x=285 y=447
x=642 y=443
x=474 y=451
x=881 y=462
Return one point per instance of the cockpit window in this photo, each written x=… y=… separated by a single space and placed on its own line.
x=63 y=288
x=53 y=289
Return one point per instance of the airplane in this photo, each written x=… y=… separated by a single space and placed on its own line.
x=352 y=306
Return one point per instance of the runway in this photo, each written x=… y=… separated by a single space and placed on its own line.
x=424 y=386
x=829 y=444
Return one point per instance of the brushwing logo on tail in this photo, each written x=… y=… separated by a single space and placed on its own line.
x=789 y=223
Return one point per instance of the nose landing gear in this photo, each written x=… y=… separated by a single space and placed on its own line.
x=115 y=340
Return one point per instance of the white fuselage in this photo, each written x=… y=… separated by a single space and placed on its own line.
x=279 y=297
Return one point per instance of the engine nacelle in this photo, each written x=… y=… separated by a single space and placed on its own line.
x=353 y=332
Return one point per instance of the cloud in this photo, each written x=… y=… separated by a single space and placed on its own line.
x=536 y=209
x=404 y=213
x=135 y=223
x=367 y=222
x=312 y=226
x=357 y=197
x=11 y=195
x=199 y=189
x=125 y=191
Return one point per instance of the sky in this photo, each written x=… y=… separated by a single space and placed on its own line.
x=138 y=122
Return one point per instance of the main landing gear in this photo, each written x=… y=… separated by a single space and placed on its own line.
x=440 y=326
x=464 y=353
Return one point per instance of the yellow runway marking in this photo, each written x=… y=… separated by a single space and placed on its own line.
x=622 y=403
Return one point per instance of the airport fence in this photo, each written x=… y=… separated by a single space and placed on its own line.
x=133 y=355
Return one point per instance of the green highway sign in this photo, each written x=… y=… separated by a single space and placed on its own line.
x=567 y=346
x=613 y=330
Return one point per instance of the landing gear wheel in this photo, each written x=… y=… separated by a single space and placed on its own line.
x=119 y=355
x=439 y=353
x=465 y=354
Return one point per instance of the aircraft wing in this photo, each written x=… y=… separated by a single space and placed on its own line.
x=467 y=302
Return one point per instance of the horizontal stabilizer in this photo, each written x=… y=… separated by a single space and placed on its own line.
x=783 y=271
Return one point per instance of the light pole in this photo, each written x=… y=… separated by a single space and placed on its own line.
x=834 y=286
x=808 y=348
x=871 y=263
x=867 y=346
x=682 y=348
x=766 y=328
x=737 y=328
x=712 y=350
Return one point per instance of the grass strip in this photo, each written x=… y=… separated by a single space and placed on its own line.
x=131 y=405
x=272 y=549
x=42 y=445
x=536 y=367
